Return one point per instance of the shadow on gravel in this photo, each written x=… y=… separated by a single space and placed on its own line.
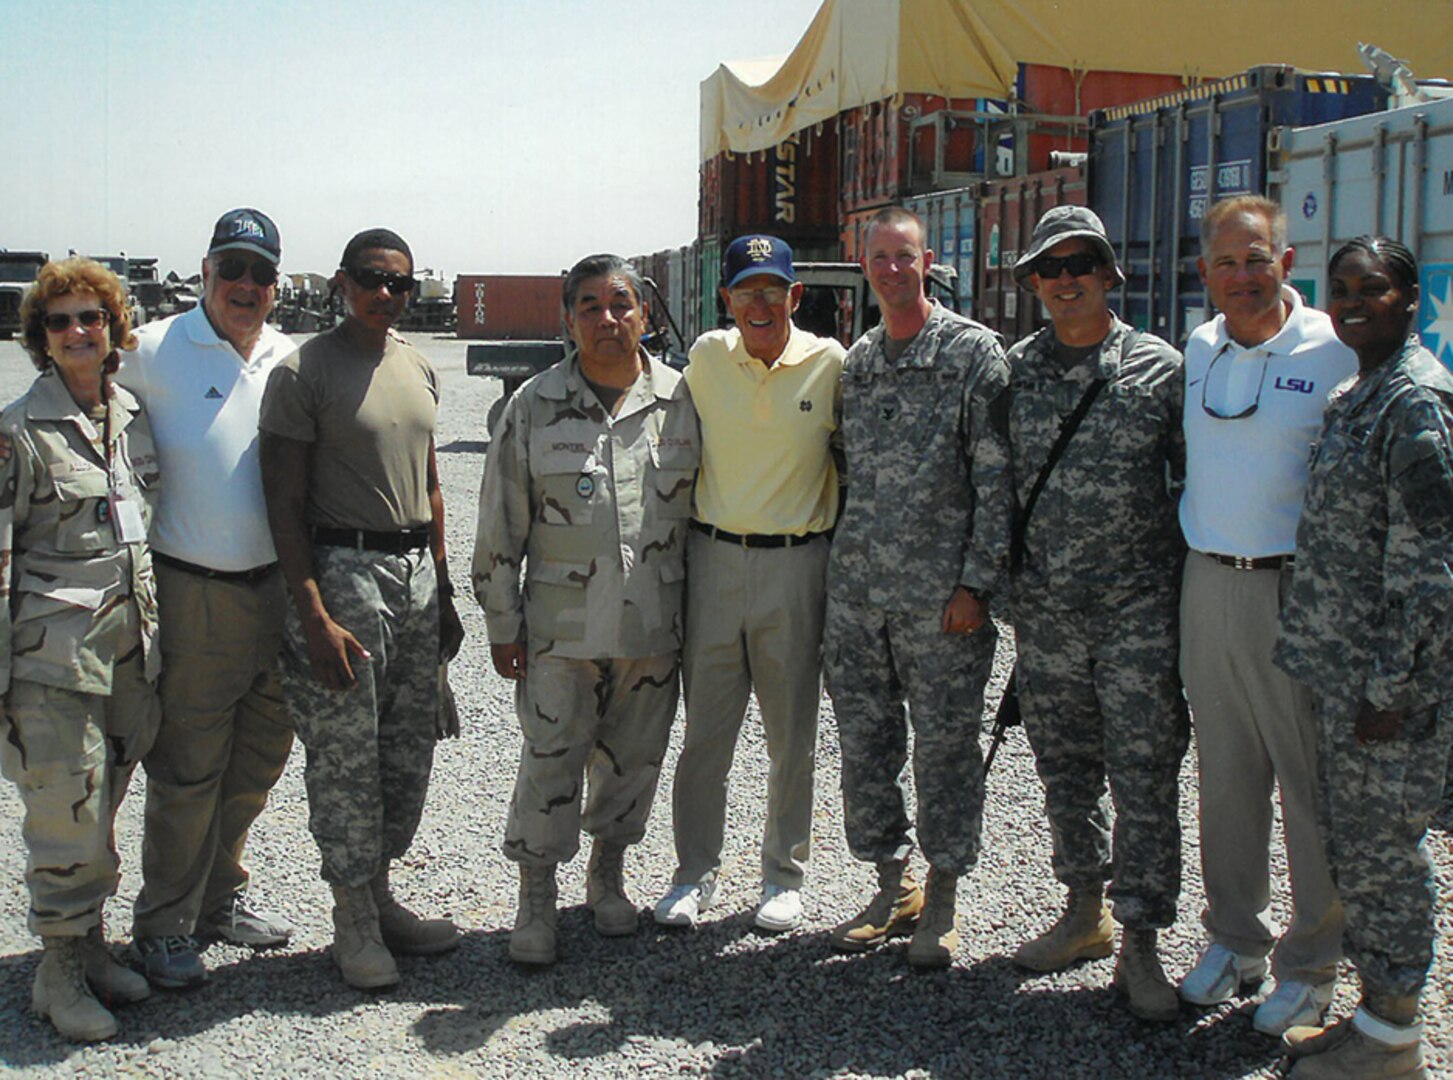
x=464 y=446
x=791 y=1005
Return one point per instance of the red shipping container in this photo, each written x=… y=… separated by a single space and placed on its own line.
x=878 y=143
x=1008 y=211
x=1057 y=91
x=789 y=191
x=508 y=307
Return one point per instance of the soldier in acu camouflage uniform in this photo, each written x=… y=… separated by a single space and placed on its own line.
x=357 y=517
x=922 y=538
x=78 y=655
x=588 y=488
x=1366 y=626
x=1095 y=602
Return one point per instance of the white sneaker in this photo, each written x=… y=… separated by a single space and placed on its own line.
x=683 y=905
x=1220 y=975
x=1292 y=1004
x=781 y=908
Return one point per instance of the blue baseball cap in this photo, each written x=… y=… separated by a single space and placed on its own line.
x=247 y=230
x=757 y=254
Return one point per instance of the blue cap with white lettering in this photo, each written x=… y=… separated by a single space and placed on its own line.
x=758 y=254
x=247 y=230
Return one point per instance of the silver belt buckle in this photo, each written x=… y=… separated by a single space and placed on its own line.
x=1244 y=562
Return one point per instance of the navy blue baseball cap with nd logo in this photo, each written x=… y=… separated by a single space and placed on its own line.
x=759 y=254
x=247 y=230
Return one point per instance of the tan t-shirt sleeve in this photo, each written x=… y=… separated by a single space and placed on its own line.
x=289 y=404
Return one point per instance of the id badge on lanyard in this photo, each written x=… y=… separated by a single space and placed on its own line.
x=123 y=500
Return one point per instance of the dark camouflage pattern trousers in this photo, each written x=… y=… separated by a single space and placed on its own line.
x=876 y=662
x=1100 y=694
x=597 y=728
x=1377 y=802
x=70 y=756
x=369 y=748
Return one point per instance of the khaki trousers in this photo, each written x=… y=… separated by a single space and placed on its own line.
x=224 y=739
x=753 y=622
x=1254 y=729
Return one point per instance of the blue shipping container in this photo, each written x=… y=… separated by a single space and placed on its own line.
x=950 y=217
x=1157 y=165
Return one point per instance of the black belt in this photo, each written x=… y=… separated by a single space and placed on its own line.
x=395 y=543
x=257 y=573
x=753 y=540
x=1244 y=562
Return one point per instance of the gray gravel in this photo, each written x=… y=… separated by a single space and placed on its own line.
x=722 y=1000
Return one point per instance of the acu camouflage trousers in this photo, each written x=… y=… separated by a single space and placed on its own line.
x=370 y=748
x=1100 y=695
x=876 y=661
x=598 y=724
x=1377 y=802
x=71 y=756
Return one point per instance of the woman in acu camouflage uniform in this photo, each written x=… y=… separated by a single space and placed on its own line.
x=1367 y=625
x=78 y=662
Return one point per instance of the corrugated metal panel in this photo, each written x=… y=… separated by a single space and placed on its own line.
x=1157 y=165
x=1009 y=210
x=951 y=221
x=513 y=307
x=789 y=191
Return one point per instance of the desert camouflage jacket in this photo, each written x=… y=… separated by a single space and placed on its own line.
x=594 y=509
x=75 y=594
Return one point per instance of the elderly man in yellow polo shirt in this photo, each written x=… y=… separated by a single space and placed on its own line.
x=768 y=394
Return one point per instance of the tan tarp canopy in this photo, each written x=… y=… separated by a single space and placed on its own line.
x=860 y=51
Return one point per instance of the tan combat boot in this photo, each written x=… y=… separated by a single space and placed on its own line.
x=112 y=983
x=1363 y=1046
x=358 y=947
x=1139 y=976
x=1083 y=932
x=605 y=890
x=937 y=937
x=403 y=931
x=61 y=995
x=532 y=941
x=892 y=912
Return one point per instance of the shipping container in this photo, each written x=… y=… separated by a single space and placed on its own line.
x=1387 y=174
x=709 y=313
x=1008 y=212
x=950 y=222
x=508 y=307
x=789 y=191
x=1155 y=167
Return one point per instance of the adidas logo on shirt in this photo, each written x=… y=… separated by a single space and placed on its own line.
x=213 y=394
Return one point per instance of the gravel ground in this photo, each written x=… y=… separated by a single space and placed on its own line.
x=722 y=1000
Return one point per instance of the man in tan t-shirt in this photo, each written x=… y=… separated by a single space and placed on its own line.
x=356 y=513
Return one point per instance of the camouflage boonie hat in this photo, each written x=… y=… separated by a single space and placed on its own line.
x=1067 y=223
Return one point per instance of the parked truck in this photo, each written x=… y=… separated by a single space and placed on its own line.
x=1389 y=173
x=18 y=271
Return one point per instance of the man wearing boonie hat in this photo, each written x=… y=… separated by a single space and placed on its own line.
x=1094 y=597
x=768 y=394
x=225 y=734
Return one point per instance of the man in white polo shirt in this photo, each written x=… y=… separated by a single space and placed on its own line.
x=768 y=394
x=1257 y=377
x=224 y=734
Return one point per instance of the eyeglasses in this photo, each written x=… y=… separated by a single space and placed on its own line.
x=60 y=321
x=771 y=295
x=1216 y=414
x=369 y=278
x=263 y=274
x=1079 y=264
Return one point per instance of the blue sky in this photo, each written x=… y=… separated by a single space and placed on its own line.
x=495 y=135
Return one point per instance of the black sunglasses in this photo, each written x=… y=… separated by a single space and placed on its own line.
x=369 y=278
x=1079 y=264
x=263 y=274
x=60 y=321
